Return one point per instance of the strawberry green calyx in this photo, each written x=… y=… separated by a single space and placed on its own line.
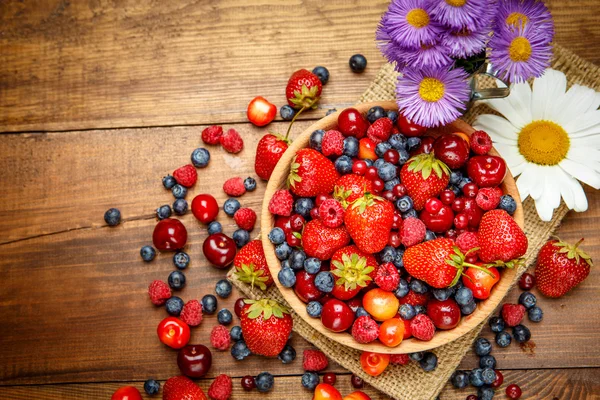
x=341 y=195
x=457 y=260
x=265 y=307
x=574 y=252
x=352 y=271
x=367 y=200
x=251 y=275
x=305 y=98
x=293 y=177
x=282 y=138
x=516 y=263
x=426 y=163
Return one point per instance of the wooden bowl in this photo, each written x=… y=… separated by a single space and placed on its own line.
x=484 y=308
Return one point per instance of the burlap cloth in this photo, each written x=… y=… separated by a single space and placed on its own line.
x=410 y=382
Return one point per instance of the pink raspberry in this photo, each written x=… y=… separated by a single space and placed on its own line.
x=387 y=277
x=314 y=360
x=513 y=314
x=221 y=388
x=488 y=198
x=186 y=175
x=412 y=232
x=159 y=292
x=332 y=143
x=380 y=130
x=467 y=241
x=481 y=142
x=281 y=203
x=212 y=134
x=234 y=187
x=331 y=213
x=422 y=327
x=220 y=338
x=232 y=141
x=245 y=218
x=191 y=313
x=399 y=359
x=365 y=329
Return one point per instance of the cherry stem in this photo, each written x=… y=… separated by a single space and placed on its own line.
x=294 y=120
x=478 y=267
x=578 y=243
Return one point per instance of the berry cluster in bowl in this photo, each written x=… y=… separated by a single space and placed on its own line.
x=388 y=231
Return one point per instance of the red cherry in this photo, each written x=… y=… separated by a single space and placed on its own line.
x=336 y=315
x=248 y=383
x=260 y=112
x=426 y=146
x=399 y=190
x=371 y=173
x=527 y=281
x=366 y=149
x=237 y=307
x=409 y=128
x=447 y=196
x=378 y=185
x=470 y=190
x=305 y=287
x=473 y=212
x=444 y=314
x=297 y=222
x=126 y=393
x=329 y=378
x=461 y=221
x=194 y=360
x=359 y=167
x=499 y=379
x=169 y=234
x=391 y=156
x=352 y=123
x=205 y=208
x=314 y=213
x=513 y=392
x=486 y=171
x=395 y=239
x=389 y=196
x=173 y=332
x=438 y=222
x=433 y=205
x=219 y=250
x=452 y=150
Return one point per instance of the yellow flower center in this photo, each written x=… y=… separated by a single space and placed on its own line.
x=456 y=3
x=431 y=89
x=519 y=49
x=517 y=20
x=544 y=142
x=418 y=18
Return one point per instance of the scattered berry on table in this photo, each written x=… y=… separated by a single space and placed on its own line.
x=236 y=333
x=191 y=313
x=151 y=387
x=287 y=113
x=314 y=309
x=163 y=212
x=264 y=382
x=176 y=280
x=241 y=237
x=365 y=329
x=527 y=300
x=248 y=383
x=286 y=277
x=482 y=347
x=375 y=113
x=513 y=314
x=535 y=314
x=200 y=157
x=527 y=281
x=181 y=260
x=303 y=89
x=329 y=378
x=224 y=317
x=422 y=327
x=508 y=204
x=148 y=253
x=324 y=281
x=174 y=305
x=276 y=236
x=429 y=362
x=357 y=63
x=488 y=361
x=220 y=338
x=314 y=360
x=240 y=350
x=521 y=333
x=186 y=175
x=322 y=73
x=260 y=111
x=357 y=382
x=316 y=138
x=221 y=388
x=179 y=191
x=460 y=379
x=234 y=187
x=499 y=379
x=180 y=206
x=112 y=217
x=472 y=397
x=245 y=218
x=310 y=380
x=503 y=339
x=287 y=355
x=212 y=134
x=223 y=288
x=215 y=227
x=168 y=182
x=476 y=378
x=513 y=392
x=209 y=304
x=250 y=184
x=485 y=393
x=231 y=141
x=496 y=324
x=281 y=203
x=231 y=206
x=159 y=292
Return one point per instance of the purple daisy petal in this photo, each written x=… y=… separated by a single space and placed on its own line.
x=436 y=55
x=461 y=14
x=516 y=14
x=409 y=23
x=432 y=96
x=465 y=43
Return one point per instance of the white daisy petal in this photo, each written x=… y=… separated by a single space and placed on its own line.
x=521 y=100
x=546 y=89
x=581 y=172
x=516 y=170
x=571 y=105
x=510 y=154
x=563 y=182
x=581 y=202
x=551 y=190
x=595 y=104
x=544 y=209
x=526 y=181
x=589 y=120
x=497 y=127
x=505 y=107
x=586 y=156
x=586 y=142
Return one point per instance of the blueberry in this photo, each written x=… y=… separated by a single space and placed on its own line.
x=407 y=311
x=413 y=143
x=231 y=206
x=209 y=304
x=276 y=236
x=418 y=356
x=482 y=347
x=442 y=294
x=496 y=324
x=429 y=362
x=488 y=361
x=112 y=217
x=236 y=333
x=215 y=227
x=322 y=73
x=420 y=309
x=174 y=305
x=399 y=260
x=148 y=253
x=381 y=148
x=303 y=205
x=389 y=185
x=330 y=111
x=224 y=317
x=286 y=264
x=398 y=141
x=387 y=171
x=176 y=280
x=287 y=355
x=179 y=191
x=404 y=203
x=488 y=375
x=264 y=382
x=460 y=379
x=368 y=162
x=241 y=237
x=324 y=281
x=358 y=63
x=521 y=333
x=463 y=296
x=378 y=163
x=393 y=116
x=343 y=165
x=455 y=177
x=200 y=157
x=286 y=277
x=297 y=259
x=163 y=212
x=283 y=251
x=351 y=146
x=503 y=339
x=468 y=308
x=388 y=254
x=223 y=288
x=403 y=156
x=485 y=393
x=402 y=289
x=429 y=235
x=250 y=184
x=508 y=204
x=310 y=380
x=476 y=377
x=240 y=350
x=535 y=314
x=312 y=265
x=181 y=260
x=168 y=182
x=315 y=139
x=412 y=213
x=375 y=113
x=314 y=309
x=361 y=312
x=151 y=387
x=287 y=113
x=463 y=182
x=527 y=299
x=180 y=206
x=418 y=286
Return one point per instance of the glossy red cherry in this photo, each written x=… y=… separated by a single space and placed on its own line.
x=513 y=392
x=391 y=156
x=352 y=123
x=409 y=128
x=447 y=196
x=173 y=332
x=329 y=378
x=219 y=249
x=399 y=190
x=366 y=149
x=499 y=379
x=305 y=287
x=169 y=234
x=444 y=314
x=359 y=167
x=237 y=307
x=194 y=360
x=248 y=383
x=440 y=221
x=371 y=173
x=126 y=393
x=527 y=281
x=426 y=146
x=486 y=171
x=336 y=315
x=452 y=150
x=433 y=205
x=205 y=208
x=378 y=185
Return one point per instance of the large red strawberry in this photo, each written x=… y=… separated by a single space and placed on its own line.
x=560 y=267
x=266 y=326
x=369 y=221
x=350 y=187
x=303 y=89
x=268 y=152
x=322 y=242
x=353 y=270
x=500 y=238
x=311 y=173
x=424 y=176
x=182 y=388
x=251 y=265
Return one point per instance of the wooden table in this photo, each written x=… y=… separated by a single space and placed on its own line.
x=101 y=99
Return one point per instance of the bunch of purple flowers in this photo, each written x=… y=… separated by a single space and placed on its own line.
x=427 y=40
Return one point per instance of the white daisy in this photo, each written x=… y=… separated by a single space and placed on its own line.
x=550 y=139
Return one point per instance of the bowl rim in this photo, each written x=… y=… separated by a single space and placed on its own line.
x=484 y=308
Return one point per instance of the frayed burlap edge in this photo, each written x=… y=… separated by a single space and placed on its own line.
x=410 y=382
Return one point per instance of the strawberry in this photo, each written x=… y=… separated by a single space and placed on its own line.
x=369 y=221
x=303 y=89
x=251 y=265
x=500 y=238
x=266 y=326
x=311 y=174
x=560 y=267
x=322 y=242
x=421 y=184
x=353 y=270
x=268 y=152
x=380 y=130
x=350 y=187
x=415 y=299
x=182 y=388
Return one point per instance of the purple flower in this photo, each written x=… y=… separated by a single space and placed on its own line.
x=465 y=43
x=435 y=55
x=409 y=23
x=432 y=96
x=520 y=54
x=461 y=14
x=517 y=14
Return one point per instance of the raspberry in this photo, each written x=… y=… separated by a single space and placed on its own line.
x=331 y=213
x=488 y=198
x=365 y=329
x=314 y=360
x=467 y=241
x=422 y=327
x=413 y=231
x=159 y=292
x=387 y=277
x=415 y=299
x=281 y=203
x=481 y=142
x=191 y=313
x=381 y=130
x=186 y=175
x=234 y=187
x=245 y=218
x=332 y=143
x=212 y=134
x=220 y=338
x=513 y=314
x=399 y=359
x=232 y=141
x=221 y=388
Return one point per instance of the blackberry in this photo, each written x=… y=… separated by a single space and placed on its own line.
x=200 y=157
x=180 y=206
x=176 y=280
x=174 y=305
x=250 y=184
x=357 y=63
x=223 y=288
x=324 y=281
x=231 y=206
x=241 y=238
x=287 y=113
x=168 y=182
x=148 y=253
x=303 y=205
x=215 y=227
x=287 y=355
x=224 y=317
x=179 y=192
x=375 y=113
x=314 y=309
x=181 y=259
x=322 y=73
x=315 y=139
x=112 y=217
x=350 y=148
x=163 y=212
x=236 y=333
x=209 y=304
x=276 y=236
x=286 y=277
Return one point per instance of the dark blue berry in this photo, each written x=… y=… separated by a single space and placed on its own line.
x=286 y=277
x=418 y=356
x=403 y=156
x=241 y=237
x=521 y=333
x=176 y=280
x=264 y=382
x=343 y=165
x=231 y=206
x=378 y=163
x=476 y=377
x=240 y=350
x=174 y=305
x=460 y=379
x=381 y=148
x=375 y=113
x=488 y=361
x=224 y=317
x=181 y=260
x=283 y=251
x=535 y=314
x=209 y=304
x=402 y=289
x=315 y=139
x=389 y=185
x=351 y=146
x=357 y=63
x=388 y=254
x=179 y=192
x=286 y=264
x=215 y=227
x=303 y=205
x=413 y=143
x=361 y=312
x=463 y=182
x=463 y=296
x=276 y=236
x=297 y=259
x=236 y=333
x=387 y=171
x=287 y=113
x=148 y=253
x=312 y=265
x=429 y=235
x=163 y=212
x=310 y=380
x=503 y=339
x=482 y=347
x=455 y=177
x=419 y=309
x=442 y=294
x=200 y=157
x=250 y=184
x=485 y=393
x=407 y=311
x=412 y=213
x=368 y=162
x=112 y=217
x=508 y=204
x=527 y=299
x=168 y=182
x=151 y=387
x=180 y=206
x=468 y=308
x=287 y=355
x=223 y=288
x=324 y=281
x=398 y=141
x=399 y=260
x=393 y=116
x=322 y=73
x=488 y=375
x=429 y=362
x=496 y=324
x=418 y=286
x=314 y=309
x=457 y=192
x=404 y=203
x=331 y=111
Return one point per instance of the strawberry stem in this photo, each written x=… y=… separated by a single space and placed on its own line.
x=294 y=120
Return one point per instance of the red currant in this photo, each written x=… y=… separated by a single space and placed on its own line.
x=451 y=234
x=371 y=173
x=394 y=240
x=329 y=378
x=458 y=204
x=314 y=213
x=297 y=222
x=248 y=383
x=391 y=156
x=194 y=360
x=473 y=212
x=399 y=190
x=433 y=205
x=378 y=185
x=397 y=220
x=356 y=382
x=513 y=392
x=472 y=397
x=499 y=379
x=461 y=221
x=359 y=167
x=527 y=281
x=470 y=190
x=389 y=196
x=447 y=196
